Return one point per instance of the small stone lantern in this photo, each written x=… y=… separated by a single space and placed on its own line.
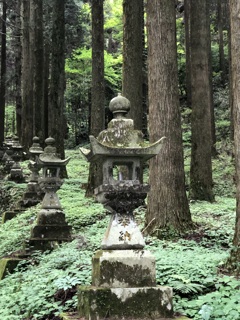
x=51 y=227
x=123 y=273
x=33 y=195
x=16 y=173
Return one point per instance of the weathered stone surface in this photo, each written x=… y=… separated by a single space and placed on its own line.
x=54 y=232
x=149 y=302
x=51 y=217
x=7 y=265
x=122 y=233
x=8 y=215
x=123 y=269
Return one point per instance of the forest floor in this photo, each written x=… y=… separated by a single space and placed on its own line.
x=193 y=263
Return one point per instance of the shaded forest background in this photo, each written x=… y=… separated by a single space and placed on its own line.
x=78 y=66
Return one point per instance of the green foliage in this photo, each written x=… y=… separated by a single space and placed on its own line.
x=45 y=285
x=78 y=69
x=113 y=11
x=10 y=115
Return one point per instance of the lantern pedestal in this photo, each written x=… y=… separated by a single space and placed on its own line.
x=120 y=303
x=123 y=268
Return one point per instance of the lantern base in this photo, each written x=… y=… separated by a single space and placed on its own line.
x=51 y=229
x=97 y=303
x=123 y=268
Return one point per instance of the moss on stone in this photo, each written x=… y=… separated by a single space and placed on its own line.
x=7 y=265
x=97 y=303
x=117 y=271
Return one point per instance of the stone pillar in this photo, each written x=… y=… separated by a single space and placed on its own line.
x=123 y=272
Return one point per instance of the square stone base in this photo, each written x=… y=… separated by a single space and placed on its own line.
x=123 y=269
x=95 y=303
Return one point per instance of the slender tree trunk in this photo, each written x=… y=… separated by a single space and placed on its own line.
x=187 y=4
x=27 y=88
x=3 y=71
x=210 y=72
x=132 y=86
x=167 y=202
x=37 y=52
x=57 y=81
x=98 y=89
x=201 y=167
x=222 y=64
x=234 y=260
x=18 y=68
x=46 y=67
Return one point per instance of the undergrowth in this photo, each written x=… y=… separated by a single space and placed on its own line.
x=45 y=285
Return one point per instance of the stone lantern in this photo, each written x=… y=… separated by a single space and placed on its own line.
x=16 y=173
x=7 y=156
x=33 y=195
x=51 y=227
x=123 y=273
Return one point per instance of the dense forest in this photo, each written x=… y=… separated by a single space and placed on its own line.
x=62 y=62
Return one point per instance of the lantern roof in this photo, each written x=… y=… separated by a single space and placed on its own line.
x=35 y=148
x=101 y=150
x=120 y=139
x=49 y=157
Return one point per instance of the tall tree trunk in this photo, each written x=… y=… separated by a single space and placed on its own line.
x=37 y=52
x=27 y=86
x=201 y=167
x=46 y=67
x=3 y=71
x=167 y=202
x=18 y=67
x=187 y=4
x=234 y=260
x=222 y=64
x=57 y=81
x=132 y=86
x=98 y=89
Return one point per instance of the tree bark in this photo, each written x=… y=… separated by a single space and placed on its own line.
x=201 y=167
x=3 y=71
x=222 y=64
x=187 y=4
x=37 y=52
x=167 y=202
x=132 y=84
x=56 y=125
x=234 y=260
x=27 y=87
x=18 y=67
x=98 y=90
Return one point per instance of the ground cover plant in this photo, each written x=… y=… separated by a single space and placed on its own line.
x=45 y=286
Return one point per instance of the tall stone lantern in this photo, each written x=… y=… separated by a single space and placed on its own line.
x=51 y=227
x=123 y=272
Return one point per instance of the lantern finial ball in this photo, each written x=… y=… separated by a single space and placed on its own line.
x=119 y=104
